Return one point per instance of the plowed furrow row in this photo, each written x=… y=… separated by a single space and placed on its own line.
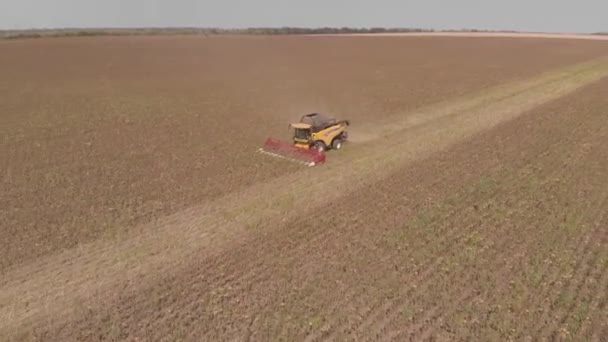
x=244 y=279
x=466 y=297
x=579 y=313
x=552 y=274
x=423 y=272
x=587 y=271
x=449 y=238
x=426 y=279
x=584 y=259
x=385 y=307
x=562 y=244
x=223 y=267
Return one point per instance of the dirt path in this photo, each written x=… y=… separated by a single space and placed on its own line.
x=57 y=290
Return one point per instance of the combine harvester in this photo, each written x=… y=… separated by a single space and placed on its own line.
x=312 y=136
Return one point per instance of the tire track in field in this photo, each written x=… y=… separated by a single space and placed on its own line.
x=38 y=289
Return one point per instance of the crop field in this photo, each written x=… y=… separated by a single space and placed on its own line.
x=470 y=204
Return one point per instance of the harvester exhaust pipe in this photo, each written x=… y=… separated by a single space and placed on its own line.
x=285 y=150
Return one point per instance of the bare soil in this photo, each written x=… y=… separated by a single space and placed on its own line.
x=103 y=134
x=500 y=237
x=136 y=209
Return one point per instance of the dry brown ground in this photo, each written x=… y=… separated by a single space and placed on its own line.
x=421 y=241
x=500 y=237
x=102 y=134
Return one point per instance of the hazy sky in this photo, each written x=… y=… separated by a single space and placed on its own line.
x=530 y=15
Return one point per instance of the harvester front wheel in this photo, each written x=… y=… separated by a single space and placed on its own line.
x=319 y=146
x=336 y=144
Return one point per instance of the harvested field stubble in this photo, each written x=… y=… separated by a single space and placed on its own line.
x=428 y=227
x=430 y=245
x=103 y=134
x=507 y=242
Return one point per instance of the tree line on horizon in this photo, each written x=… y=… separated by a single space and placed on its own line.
x=41 y=33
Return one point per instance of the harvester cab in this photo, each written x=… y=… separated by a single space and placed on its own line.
x=312 y=136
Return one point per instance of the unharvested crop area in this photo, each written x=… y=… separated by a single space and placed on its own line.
x=471 y=203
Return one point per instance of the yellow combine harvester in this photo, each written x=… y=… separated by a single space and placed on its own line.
x=312 y=136
x=319 y=132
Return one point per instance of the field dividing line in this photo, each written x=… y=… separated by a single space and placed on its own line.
x=54 y=286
